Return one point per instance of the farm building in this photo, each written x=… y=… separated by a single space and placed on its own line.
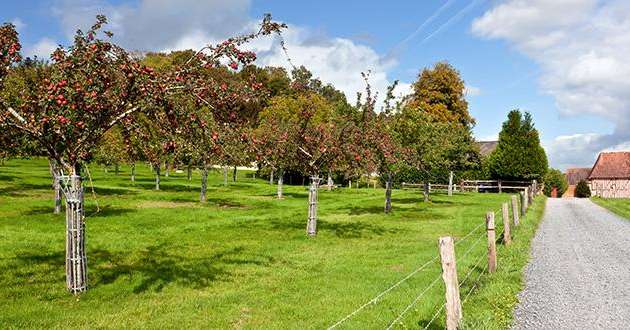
x=610 y=176
x=574 y=176
x=487 y=147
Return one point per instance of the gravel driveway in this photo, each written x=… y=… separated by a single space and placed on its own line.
x=579 y=274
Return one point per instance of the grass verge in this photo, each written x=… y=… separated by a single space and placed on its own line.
x=619 y=206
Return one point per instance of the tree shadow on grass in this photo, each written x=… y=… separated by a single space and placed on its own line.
x=6 y=177
x=108 y=191
x=89 y=211
x=22 y=189
x=150 y=269
x=365 y=210
x=354 y=229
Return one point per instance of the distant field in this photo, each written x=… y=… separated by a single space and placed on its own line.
x=161 y=259
x=619 y=206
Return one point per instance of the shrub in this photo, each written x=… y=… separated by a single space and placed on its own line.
x=582 y=190
x=555 y=178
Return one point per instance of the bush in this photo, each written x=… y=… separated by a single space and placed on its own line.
x=555 y=178
x=582 y=190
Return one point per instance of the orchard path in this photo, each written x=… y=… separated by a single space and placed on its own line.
x=579 y=273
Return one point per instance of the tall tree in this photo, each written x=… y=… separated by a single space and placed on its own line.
x=440 y=91
x=519 y=155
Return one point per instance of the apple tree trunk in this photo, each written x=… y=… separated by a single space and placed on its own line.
x=76 y=262
x=330 y=181
x=311 y=226
x=426 y=191
x=133 y=172
x=204 y=183
x=156 y=168
x=388 y=193
x=280 y=183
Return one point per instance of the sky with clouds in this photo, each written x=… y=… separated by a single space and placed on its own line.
x=565 y=61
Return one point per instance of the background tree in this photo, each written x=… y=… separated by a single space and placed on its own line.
x=554 y=178
x=440 y=91
x=110 y=150
x=519 y=155
x=582 y=190
x=376 y=134
x=428 y=143
x=317 y=133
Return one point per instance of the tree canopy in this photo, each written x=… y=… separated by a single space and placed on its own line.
x=519 y=155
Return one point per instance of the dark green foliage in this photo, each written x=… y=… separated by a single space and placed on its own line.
x=519 y=155
x=555 y=178
x=582 y=190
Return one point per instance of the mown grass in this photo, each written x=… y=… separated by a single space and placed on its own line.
x=161 y=259
x=619 y=206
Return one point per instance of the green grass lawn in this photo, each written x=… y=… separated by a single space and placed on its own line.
x=619 y=206
x=161 y=259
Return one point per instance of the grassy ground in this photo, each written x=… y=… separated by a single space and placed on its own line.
x=619 y=206
x=161 y=259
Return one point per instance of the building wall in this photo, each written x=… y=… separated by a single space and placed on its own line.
x=610 y=188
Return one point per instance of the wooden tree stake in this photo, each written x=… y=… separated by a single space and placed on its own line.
x=492 y=248
x=515 y=210
x=449 y=275
x=507 y=238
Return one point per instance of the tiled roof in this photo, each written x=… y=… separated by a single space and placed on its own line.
x=487 y=147
x=575 y=175
x=612 y=165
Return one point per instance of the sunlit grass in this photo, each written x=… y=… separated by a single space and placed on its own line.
x=161 y=259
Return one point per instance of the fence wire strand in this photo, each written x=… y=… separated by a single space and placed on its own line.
x=384 y=292
x=426 y=289
x=415 y=301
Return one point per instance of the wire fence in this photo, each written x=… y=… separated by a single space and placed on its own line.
x=467 y=265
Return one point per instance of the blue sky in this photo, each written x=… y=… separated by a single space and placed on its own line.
x=558 y=60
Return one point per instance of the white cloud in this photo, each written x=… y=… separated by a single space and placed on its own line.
x=470 y=90
x=42 y=49
x=582 y=48
x=19 y=24
x=161 y=25
x=156 y=24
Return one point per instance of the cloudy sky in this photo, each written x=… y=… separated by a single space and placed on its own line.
x=565 y=61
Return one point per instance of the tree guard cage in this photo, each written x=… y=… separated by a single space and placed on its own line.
x=76 y=261
x=311 y=227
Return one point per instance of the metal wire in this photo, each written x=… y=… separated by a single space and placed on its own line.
x=413 y=302
x=434 y=316
x=377 y=297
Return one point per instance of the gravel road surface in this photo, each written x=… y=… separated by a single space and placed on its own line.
x=579 y=273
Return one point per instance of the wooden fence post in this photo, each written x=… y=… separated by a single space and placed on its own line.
x=530 y=195
x=507 y=237
x=500 y=190
x=523 y=202
x=515 y=210
x=492 y=248
x=449 y=275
